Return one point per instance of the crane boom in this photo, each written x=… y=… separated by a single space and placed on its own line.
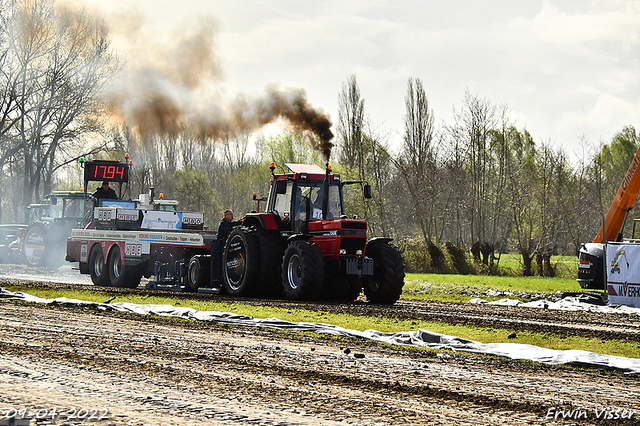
x=622 y=203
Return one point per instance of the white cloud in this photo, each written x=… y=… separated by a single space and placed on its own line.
x=565 y=67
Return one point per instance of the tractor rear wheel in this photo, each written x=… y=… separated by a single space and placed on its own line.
x=385 y=286
x=44 y=245
x=97 y=267
x=35 y=248
x=303 y=271
x=271 y=248
x=241 y=262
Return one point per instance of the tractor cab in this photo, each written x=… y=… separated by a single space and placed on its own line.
x=64 y=205
x=307 y=194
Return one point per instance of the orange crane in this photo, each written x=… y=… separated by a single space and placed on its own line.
x=591 y=273
x=621 y=205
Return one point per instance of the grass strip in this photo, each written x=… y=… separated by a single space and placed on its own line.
x=480 y=334
x=462 y=288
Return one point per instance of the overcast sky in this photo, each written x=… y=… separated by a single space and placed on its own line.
x=564 y=68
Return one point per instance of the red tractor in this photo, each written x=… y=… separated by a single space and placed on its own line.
x=303 y=244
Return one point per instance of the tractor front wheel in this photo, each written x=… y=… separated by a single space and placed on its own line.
x=385 y=286
x=303 y=271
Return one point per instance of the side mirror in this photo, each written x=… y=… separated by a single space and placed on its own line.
x=281 y=187
x=53 y=201
x=367 y=191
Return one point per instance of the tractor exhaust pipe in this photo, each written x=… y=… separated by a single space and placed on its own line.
x=325 y=193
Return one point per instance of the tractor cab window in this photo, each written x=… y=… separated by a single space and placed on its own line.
x=307 y=203
x=73 y=207
x=55 y=207
x=282 y=205
x=335 y=203
x=37 y=211
x=167 y=207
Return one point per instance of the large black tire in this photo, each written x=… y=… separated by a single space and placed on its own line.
x=271 y=248
x=303 y=271
x=97 y=267
x=121 y=275
x=44 y=245
x=198 y=273
x=241 y=262
x=35 y=247
x=388 y=274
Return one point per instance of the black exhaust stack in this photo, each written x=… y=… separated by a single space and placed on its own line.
x=325 y=193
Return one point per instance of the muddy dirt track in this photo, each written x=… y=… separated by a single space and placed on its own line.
x=154 y=371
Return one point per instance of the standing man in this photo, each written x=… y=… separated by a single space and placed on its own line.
x=226 y=224
x=104 y=191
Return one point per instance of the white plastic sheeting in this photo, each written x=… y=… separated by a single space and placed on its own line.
x=421 y=338
x=567 y=304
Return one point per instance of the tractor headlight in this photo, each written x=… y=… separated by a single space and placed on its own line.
x=359 y=252
x=343 y=251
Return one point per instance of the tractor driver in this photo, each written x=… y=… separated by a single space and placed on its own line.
x=104 y=191
x=301 y=206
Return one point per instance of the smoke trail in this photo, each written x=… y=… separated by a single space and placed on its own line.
x=164 y=96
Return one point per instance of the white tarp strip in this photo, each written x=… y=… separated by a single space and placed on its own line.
x=566 y=304
x=421 y=338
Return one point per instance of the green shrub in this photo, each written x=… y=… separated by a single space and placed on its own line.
x=416 y=257
x=422 y=258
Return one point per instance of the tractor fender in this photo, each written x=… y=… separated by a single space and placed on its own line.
x=297 y=237
x=261 y=220
x=380 y=240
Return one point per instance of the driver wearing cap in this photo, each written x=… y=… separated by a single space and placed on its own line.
x=104 y=191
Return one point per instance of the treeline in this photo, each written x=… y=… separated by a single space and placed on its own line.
x=479 y=184
x=473 y=184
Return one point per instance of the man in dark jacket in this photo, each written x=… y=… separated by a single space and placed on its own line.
x=226 y=224
x=104 y=191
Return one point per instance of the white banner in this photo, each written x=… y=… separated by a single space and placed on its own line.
x=622 y=264
x=152 y=219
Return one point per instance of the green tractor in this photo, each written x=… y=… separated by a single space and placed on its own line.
x=50 y=223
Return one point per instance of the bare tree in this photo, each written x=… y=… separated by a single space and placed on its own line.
x=474 y=129
x=351 y=126
x=549 y=194
x=56 y=63
x=417 y=163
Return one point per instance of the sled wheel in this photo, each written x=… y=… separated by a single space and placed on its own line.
x=198 y=273
x=120 y=275
x=97 y=267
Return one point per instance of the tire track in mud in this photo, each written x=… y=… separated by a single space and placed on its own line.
x=152 y=370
